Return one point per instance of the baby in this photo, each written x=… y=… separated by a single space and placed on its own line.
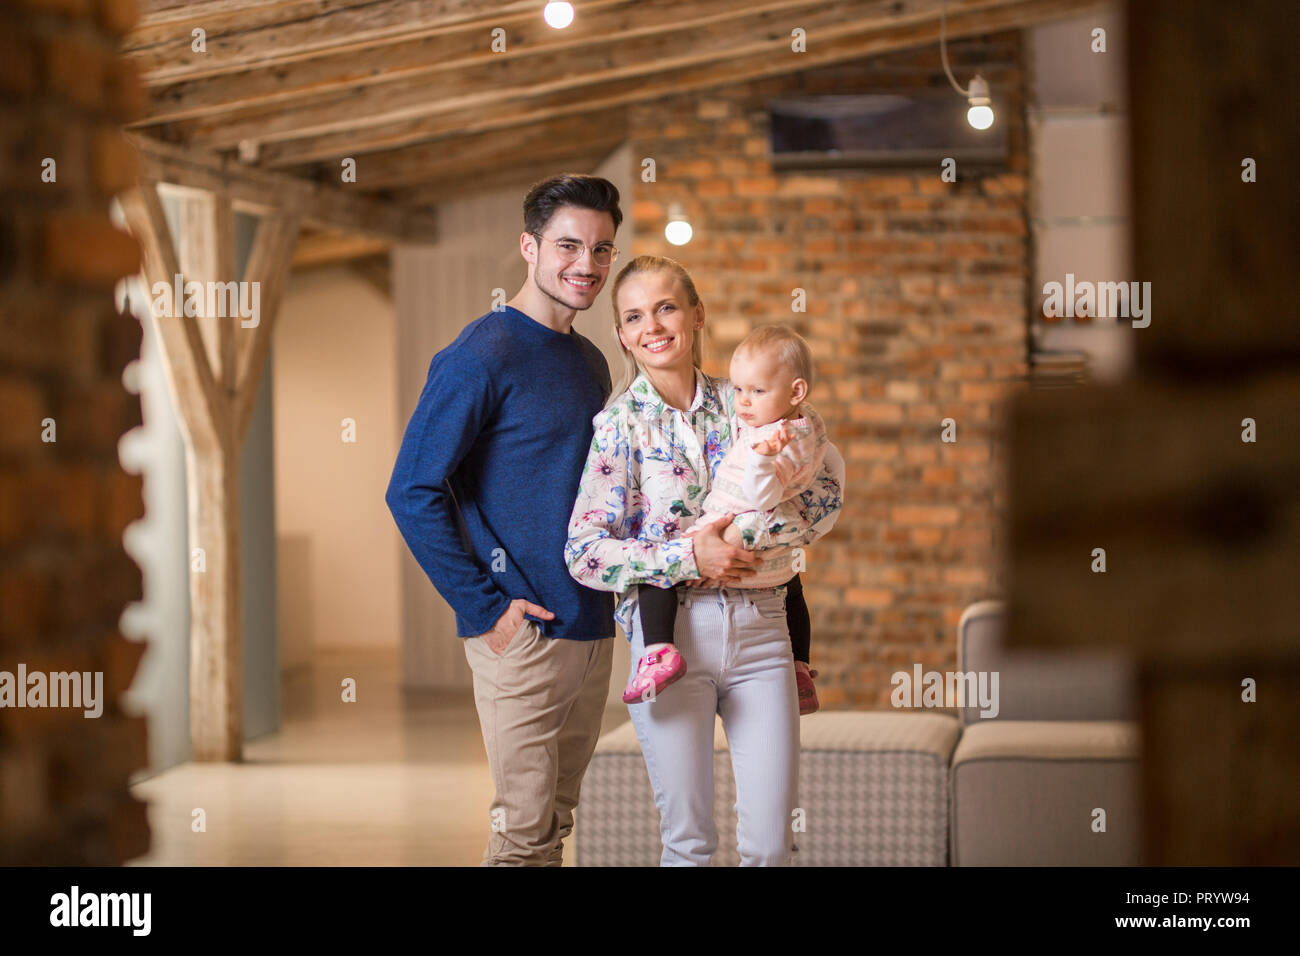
x=777 y=451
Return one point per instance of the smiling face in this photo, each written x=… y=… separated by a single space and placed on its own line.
x=767 y=389
x=656 y=322
x=575 y=284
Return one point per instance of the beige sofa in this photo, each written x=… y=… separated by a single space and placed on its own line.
x=918 y=787
x=1036 y=784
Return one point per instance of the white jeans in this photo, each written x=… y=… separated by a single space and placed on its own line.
x=739 y=664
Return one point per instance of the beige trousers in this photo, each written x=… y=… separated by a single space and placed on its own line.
x=539 y=706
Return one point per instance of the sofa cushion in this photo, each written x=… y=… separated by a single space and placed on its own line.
x=1026 y=793
x=1034 y=684
x=873 y=788
x=1048 y=740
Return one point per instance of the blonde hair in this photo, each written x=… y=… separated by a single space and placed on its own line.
x=631 y=368
x=788 y=345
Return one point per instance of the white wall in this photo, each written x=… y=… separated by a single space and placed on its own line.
x=1079 y=196
x=438 y=290
x=334 y=359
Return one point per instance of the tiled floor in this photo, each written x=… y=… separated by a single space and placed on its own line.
x=397 y=778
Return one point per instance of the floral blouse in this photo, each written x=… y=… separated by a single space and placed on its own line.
x=644 y=483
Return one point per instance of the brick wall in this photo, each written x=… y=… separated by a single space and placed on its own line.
x=916 y=311
x=64 y=576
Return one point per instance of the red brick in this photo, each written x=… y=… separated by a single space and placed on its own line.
x=87 y=248
x=964 y=249
x=77 y=70
x=125 y=91
x=115 y=163
x=811 y=186
x=926 y=537
x=935 y=186
x=869 y=597
x=985 y=391
x=67 y=8
x=19 y=72
x=876 y=412
x=713 y=109
x=27 y=595
x=872 y=451
x=970 y=371
x=95 y=416
x=888 y=185
x=118 y=16
x=925 y=515
x=939 y=476
x=756 y=186
x=647 y=210
x=773 y=247
x=1008 y=184
x=965 y=453
x=24 y=407
x=689 y=169
x=119 y=501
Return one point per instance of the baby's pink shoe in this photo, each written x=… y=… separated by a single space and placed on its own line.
x=661 y=665
x=803 y=679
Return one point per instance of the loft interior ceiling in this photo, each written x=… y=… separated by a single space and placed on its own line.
x=412 y=90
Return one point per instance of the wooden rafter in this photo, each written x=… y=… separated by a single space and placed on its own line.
x=503 y=107
x=261 y=192
x=322 y=248
x=432 y=191
x=466 y=157
x=248 y=33
x=446 y=51
x=181 y=340
x=489 y=80
x=268 y=264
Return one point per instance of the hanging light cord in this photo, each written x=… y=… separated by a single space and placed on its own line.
x=943 y=47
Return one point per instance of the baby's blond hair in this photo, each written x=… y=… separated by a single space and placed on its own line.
x=788 y=345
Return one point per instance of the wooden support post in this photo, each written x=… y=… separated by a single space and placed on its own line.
x=213 y=366
x=1189 y=476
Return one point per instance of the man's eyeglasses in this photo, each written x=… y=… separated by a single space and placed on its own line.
x=571 y=250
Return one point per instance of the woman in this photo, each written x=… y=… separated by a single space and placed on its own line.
x=652 y=457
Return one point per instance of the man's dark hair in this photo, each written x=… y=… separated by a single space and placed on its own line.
x=569 y=189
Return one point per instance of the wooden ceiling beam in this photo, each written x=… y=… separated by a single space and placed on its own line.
x=468 y=156
x=448 y=51
x=433 y=192
x=326 y=248
x=259 y=191
x=500 y=109
x=268 y=265
x=633 y=61
x=194 y=386
x=240 y=35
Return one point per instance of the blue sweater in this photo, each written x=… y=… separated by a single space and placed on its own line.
x=488 y=471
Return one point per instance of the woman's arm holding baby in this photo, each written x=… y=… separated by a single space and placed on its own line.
x=607 y=548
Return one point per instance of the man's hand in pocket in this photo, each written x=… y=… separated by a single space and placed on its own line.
x=498 y=639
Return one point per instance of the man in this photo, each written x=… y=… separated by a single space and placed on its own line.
x=482 y=491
